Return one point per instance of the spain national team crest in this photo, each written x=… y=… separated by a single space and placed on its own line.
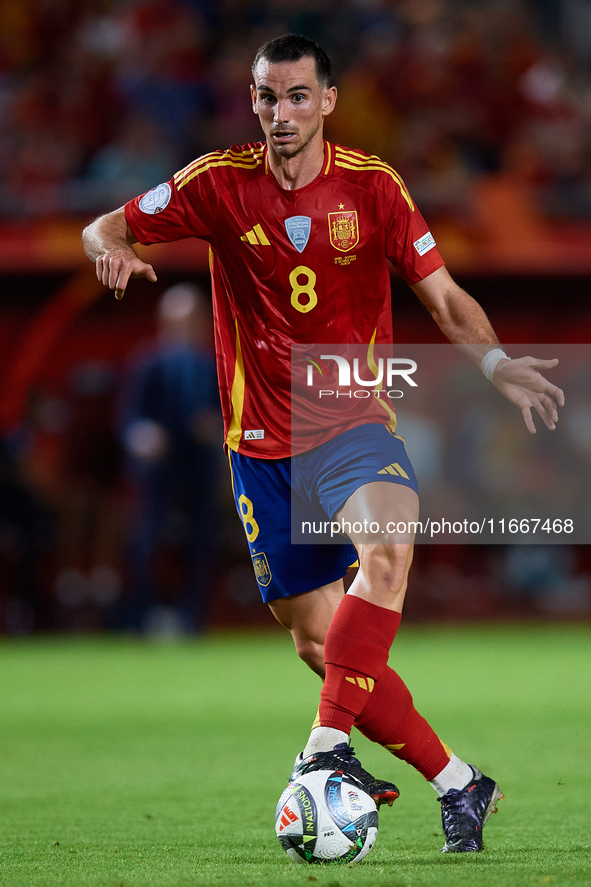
x=262 y=570
x=343 y=230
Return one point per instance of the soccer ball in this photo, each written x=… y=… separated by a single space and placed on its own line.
x=326 y=816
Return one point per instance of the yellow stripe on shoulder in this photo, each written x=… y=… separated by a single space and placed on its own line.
x=376 y=166
x=352 y=154
x=364 y=160
x=204 y=161
x=245 y=159
x=237 y=155
x=213 y=165
x=195 y=164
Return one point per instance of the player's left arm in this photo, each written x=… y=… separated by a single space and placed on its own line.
x=464 y=322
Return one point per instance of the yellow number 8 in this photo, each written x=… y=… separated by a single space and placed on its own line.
x=307 y=289
x=246 y=511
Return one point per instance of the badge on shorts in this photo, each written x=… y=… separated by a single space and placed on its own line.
x=343 y=230
x=298 y=230
x=156 y=200
x=262 y=571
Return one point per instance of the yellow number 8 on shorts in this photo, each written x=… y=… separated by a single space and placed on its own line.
x=246 y=511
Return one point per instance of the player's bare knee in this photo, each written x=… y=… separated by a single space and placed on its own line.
x=386 y=566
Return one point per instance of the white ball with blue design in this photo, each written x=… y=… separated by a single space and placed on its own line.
x=326 y=817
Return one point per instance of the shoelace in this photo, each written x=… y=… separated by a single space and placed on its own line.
x=451 y=803
x=344 y=750
x=450 y=799
x=348 y=752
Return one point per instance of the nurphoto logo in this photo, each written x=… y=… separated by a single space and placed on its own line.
x=383 y=373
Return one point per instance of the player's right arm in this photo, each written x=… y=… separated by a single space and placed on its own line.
x=108 y=242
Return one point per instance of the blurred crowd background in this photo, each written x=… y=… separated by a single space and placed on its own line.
x=100 y=99
x=106 y=520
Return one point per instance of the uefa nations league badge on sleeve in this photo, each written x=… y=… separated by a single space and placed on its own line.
x=156 y=200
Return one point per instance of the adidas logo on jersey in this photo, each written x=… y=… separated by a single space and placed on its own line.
x=256 y=236
x=396 y=469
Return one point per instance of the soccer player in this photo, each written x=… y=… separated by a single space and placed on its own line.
x=300 y=231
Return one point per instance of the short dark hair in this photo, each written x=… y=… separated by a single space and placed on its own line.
x=292 y=48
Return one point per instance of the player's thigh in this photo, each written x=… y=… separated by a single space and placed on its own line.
x=380 y=513
x=263 y=497
x=364 y=481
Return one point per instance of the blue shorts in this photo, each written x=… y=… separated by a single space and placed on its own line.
x=275 y=495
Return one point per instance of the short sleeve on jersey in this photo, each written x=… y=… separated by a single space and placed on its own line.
x=167 y=213
x=409 y=243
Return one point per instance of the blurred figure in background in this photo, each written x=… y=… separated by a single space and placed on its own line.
x=26 y=525
x=169 y=421
x=138 y=156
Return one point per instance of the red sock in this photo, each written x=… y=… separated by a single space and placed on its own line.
x=391 y=720
x=356 y=653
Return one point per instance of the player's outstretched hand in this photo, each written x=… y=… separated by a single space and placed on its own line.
x=521 y=381
x=114 y=268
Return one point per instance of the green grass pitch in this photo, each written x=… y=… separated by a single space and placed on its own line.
x=131 y=764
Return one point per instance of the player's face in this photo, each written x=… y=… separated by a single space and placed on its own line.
x=291 y=104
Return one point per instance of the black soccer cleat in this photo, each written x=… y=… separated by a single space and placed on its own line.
x=465 y=812
x=342 y=758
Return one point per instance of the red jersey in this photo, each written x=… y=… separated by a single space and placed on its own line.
x=292 y=267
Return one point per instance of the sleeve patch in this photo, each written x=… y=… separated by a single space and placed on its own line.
x=424 y=244
x=156 y=200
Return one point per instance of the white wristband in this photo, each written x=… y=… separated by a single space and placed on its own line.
x=490 y=360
